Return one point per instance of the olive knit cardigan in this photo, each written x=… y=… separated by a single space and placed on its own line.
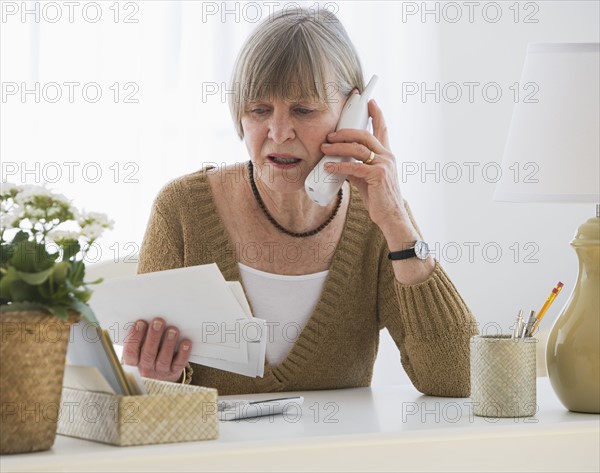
x=429 y=322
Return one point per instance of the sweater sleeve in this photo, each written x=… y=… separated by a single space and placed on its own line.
x=162 y=247
x=432 y=327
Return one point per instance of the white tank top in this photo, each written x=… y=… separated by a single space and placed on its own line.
x=285 y=302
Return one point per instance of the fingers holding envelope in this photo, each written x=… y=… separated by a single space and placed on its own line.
x=153 y=349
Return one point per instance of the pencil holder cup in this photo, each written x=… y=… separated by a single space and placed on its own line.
x=503 y=376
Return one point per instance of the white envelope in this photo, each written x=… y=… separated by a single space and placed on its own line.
x=238 y=291
x=86 y=378
x=195 y=299
x=255 y=332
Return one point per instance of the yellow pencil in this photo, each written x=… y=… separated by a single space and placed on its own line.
x=546 y=306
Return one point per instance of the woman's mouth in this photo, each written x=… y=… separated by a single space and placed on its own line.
x=283 y=162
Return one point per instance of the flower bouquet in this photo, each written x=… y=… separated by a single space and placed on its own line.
x=43 y=243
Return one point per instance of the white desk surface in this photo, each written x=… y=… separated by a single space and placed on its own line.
x=367 y=429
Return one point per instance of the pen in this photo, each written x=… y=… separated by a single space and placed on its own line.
x=529 y=326
x=224 y=405
x=518 y=323
x=546 y=305
x=280 y=399
x=236 y=404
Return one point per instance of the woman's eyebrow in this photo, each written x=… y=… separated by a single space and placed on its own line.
x=308 y=101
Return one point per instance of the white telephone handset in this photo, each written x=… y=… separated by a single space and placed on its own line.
x=322 y=186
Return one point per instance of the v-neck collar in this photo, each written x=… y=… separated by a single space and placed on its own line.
x=325 y=312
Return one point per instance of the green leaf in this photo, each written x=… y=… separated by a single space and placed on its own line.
x=80 y=291
x=20 y=236
x=60 y=272
x=60 y=293
x=20 y=291
x=31 y=257
x=6 y=251
x=97 y=281
x=70 y=286
x=84 y=295
x=81 y=295
x=35 y=279
x=44 y=290
x=60 y=311
x=77 y=273
x=6 y=283
x=70 y=249
x=85 y=310
x=17 y=306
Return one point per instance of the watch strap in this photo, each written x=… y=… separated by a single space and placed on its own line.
x=402 y=254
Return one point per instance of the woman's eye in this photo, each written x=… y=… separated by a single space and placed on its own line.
x=304 y=111
x=258 y=111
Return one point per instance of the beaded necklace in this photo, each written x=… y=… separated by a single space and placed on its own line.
x=276 y=224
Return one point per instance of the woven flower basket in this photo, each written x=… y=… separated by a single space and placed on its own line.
x=33 y=349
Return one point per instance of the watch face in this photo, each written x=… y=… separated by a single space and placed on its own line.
x=421 y=249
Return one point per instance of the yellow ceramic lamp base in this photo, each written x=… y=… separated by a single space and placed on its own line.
x=573 y=350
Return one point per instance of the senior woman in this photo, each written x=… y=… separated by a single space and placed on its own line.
x=326 y=271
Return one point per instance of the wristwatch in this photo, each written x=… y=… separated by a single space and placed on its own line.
x=420 y=250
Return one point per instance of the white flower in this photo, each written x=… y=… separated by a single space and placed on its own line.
x=8 y=189
x=8 y=220
x=91 y=218
x=34 y=213
x=12 y=217
x=28 y=192
x=61 y=235
x=93 y=224
x=38 y=211
x=92 y=231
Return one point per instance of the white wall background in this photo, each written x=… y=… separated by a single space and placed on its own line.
x=461 y=219
x=113 y=155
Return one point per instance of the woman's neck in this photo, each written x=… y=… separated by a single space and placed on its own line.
x=294 y=210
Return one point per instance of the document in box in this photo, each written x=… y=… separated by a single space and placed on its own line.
x=86 y=378
x=209 y=311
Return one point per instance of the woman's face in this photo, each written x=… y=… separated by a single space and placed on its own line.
x=284 y=138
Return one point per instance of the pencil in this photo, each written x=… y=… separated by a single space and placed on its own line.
x=546 y=305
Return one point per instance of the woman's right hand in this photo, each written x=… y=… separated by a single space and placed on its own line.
x=152 y=349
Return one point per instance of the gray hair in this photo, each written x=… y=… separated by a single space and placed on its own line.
x=293 y=55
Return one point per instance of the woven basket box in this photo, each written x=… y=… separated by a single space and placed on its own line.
x=169 y=413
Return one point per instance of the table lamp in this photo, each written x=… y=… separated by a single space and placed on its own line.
x=555 y=135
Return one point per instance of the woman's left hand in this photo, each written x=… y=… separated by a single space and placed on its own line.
x=377 y=182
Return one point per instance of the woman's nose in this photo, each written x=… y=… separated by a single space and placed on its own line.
x=281 y=128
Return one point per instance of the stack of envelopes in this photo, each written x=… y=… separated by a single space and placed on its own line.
x=209 y=311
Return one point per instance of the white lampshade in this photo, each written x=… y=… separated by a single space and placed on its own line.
x=555 y=141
